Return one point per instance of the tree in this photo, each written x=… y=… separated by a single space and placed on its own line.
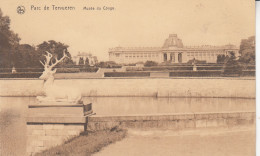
x=26 y=56
x=231 y=65
x=87 y=61
x=81 y=61
x=56 y=49
x=247 y=50
x=221 y=58
x=9 y=41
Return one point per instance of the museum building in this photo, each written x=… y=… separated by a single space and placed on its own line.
x=172 y=51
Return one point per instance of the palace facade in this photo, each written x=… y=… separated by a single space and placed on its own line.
x=92 y=59
x=172 y=51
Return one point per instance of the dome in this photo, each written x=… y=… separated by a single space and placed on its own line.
x=173 y=41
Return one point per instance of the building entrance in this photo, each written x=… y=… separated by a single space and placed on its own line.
x=180 y=57
x=165 y=57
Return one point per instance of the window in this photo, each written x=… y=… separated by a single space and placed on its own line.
x=117 y=55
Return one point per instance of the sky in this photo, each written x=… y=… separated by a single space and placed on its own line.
x=132 y=23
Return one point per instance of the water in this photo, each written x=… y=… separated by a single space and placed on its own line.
x=13 y=112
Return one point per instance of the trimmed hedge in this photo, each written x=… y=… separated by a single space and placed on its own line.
x=127 y=74
x=195 y=74
x=248 y=73
x=89 y=69
x=167 y=68
x=134 y=68
x=68 y=70
x=9 y=70
x=250 y=67
x=21 y=75
x=209 y=67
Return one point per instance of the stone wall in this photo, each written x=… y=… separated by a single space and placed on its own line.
x=174 y=121
x=160 y=87
x=50 y=125
x=43 y=136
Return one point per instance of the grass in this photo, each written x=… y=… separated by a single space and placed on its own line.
x=86 y=143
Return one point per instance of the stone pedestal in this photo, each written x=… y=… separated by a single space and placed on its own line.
x=52 y=124
x=194 y=68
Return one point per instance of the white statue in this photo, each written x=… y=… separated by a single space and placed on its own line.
x=54 y=92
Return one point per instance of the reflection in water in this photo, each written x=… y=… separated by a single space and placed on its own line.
x=13 y=125
x=13 y=111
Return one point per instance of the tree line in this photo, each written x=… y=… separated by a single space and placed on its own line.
x=246 y=51
x=14 y=54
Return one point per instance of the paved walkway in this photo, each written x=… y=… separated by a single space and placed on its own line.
x=204 y=142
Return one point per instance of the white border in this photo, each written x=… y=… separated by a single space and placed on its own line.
x=257 y=76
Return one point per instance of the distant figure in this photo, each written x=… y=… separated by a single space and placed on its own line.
x=194 y=65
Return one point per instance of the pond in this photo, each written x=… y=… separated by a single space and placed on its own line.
x=13 y=112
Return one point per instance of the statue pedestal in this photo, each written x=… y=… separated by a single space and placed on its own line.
x=51 y=123
x=59 y=109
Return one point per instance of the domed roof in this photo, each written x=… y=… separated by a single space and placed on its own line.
x=173 y=41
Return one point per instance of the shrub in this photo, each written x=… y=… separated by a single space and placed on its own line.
x=150 y=63
x=232 y=66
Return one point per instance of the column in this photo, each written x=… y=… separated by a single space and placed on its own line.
x=168 y=56
x=176 y=57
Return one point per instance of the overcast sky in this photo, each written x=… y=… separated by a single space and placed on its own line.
x=133 y=23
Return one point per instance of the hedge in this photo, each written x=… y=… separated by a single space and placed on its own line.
x=134 y=68
x=195 y=74
x=167 y=68
x=248 y=73
x=68 y=70
x=21 y=75
x=9 y=70
x=89 y=69
x=209 y=67
x=127 y=74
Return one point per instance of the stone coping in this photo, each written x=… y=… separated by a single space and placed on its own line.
x=69 y=119
x=50 y=105
x=179 y=116
x=62 y=119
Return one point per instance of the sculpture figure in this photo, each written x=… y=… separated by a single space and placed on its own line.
x=54 y=92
